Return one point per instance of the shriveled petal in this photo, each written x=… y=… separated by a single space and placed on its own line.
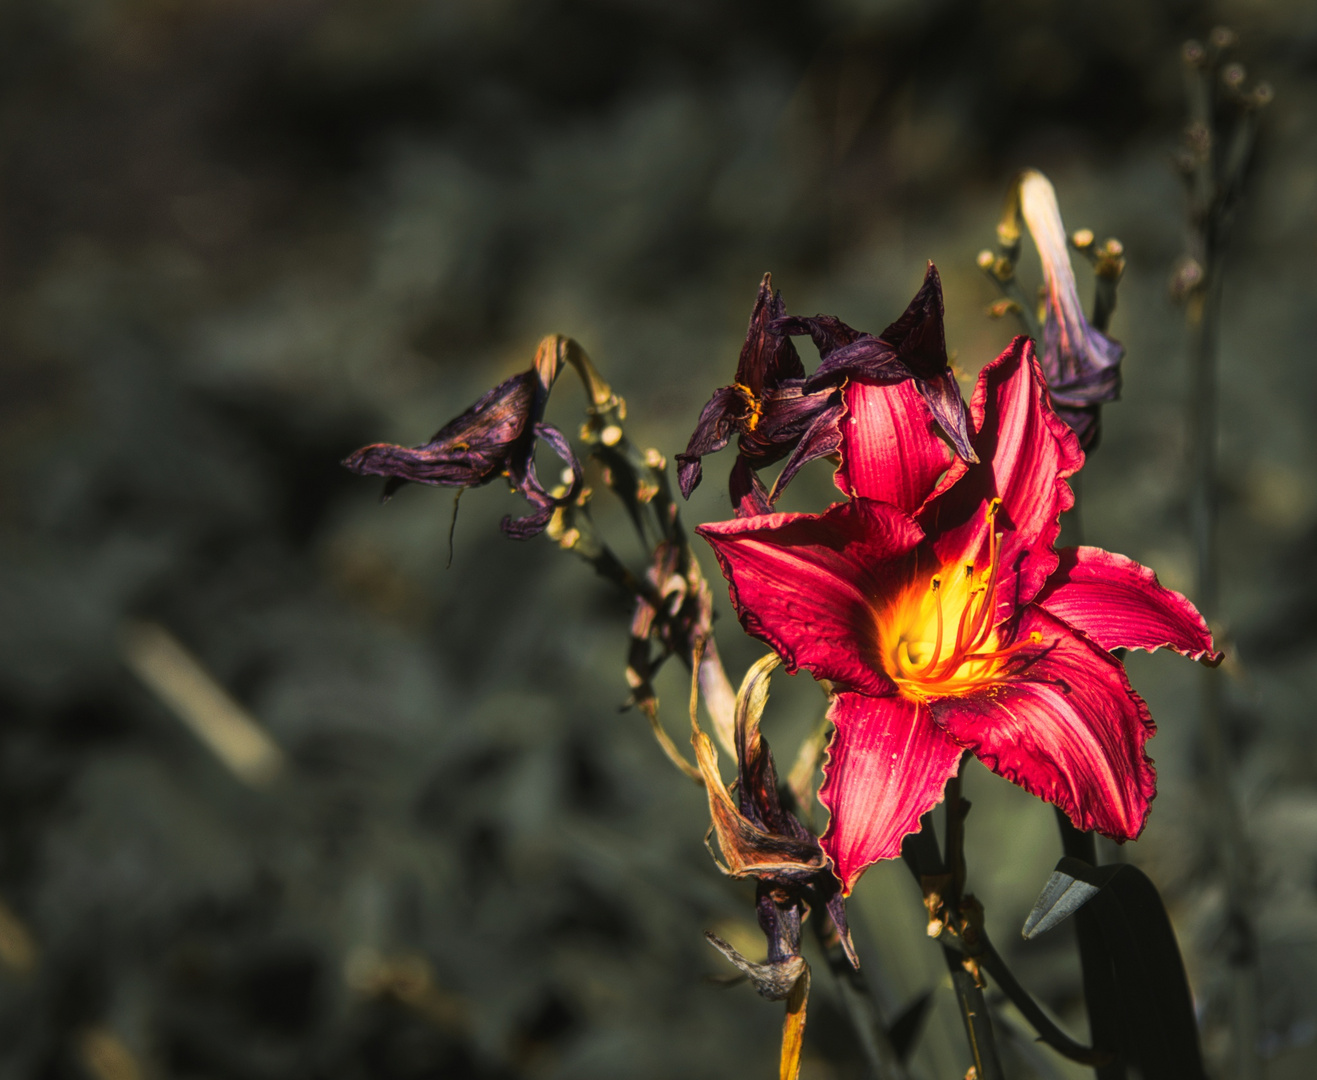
x=1120 y=604
x=918 y=335
x=469 y=450
x=866 y=357
x=807 y=585
x=756 y=772
x=524 y=478
x=719 y=420
x=822 y=439
x=1066 y=726
x=1082 y=364
x=889 y=450
x=942 y=396
x=1026 y=453
x=887 y=765
x=1086 y=423
x=768 y=355
x=748 y=850
x=749 y=496
x=827 y=332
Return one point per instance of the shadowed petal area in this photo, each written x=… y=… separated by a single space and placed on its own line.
x=887 y=765
x=889 y=451
x=1025 y=453
x=1120 y=604
x=807 y=585
x=1066 y=726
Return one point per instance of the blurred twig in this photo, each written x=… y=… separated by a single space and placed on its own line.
x=18 y=949
x=674 y=607
x=191 y=693
x=105 y=1056
x=1214 y=159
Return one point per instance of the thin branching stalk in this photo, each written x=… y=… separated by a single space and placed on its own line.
x=1218 y=146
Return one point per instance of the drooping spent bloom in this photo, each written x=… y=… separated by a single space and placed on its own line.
x=777 y=413
x=495 y=437
x=1081 y=364
x=759 y=837
x=947 y=621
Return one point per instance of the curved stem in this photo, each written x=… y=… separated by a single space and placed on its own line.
x=1047 y=1031
x=862 y=1010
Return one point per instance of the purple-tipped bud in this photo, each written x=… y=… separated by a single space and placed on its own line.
x=1081 y=364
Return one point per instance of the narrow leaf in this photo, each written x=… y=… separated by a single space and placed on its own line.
x=1061 y=897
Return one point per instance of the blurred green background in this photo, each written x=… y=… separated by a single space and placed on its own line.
x=239 y=239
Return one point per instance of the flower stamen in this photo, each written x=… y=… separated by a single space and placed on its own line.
x=913 y=631
x=936 y=654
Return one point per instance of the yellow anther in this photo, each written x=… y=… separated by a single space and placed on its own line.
x=752 y=403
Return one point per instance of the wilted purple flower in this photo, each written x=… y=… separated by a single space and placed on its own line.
x=1081 y=364
x=767 y=408
x=495 y=437
x=913 y=347
x=777 y=412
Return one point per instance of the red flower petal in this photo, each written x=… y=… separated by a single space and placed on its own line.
x=887 y=766
x=807 y=585
x=888 y=448
x=1067 y=727
x=1025 y=454
x=1120 y=604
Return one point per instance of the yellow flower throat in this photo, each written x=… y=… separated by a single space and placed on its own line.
x=937 y=638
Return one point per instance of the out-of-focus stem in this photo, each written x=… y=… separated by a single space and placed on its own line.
x=1214 y=175
x=862 y=1011
x=639 y=480
x=969 y=994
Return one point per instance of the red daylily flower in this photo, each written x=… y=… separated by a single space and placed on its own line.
x=935 y=602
